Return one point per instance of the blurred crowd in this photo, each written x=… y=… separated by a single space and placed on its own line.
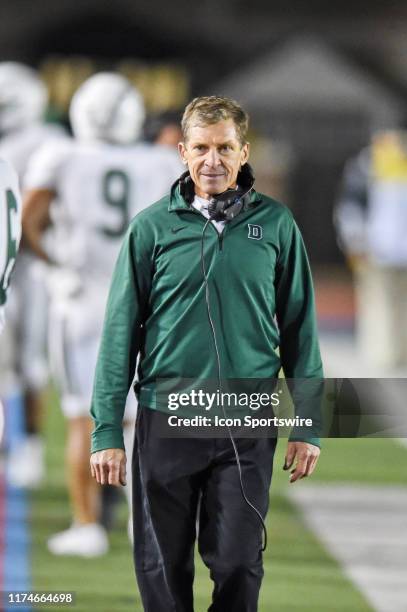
x=371 y=219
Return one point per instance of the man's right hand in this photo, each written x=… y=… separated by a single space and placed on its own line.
x=108 y=466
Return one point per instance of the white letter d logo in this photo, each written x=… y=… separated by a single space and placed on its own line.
x=255 y=231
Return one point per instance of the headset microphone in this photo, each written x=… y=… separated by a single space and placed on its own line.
x=223 y=206
x=226 y=206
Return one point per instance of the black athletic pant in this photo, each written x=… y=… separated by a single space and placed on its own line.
x=170 y=477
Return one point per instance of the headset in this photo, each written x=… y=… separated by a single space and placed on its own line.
x=224 y=207
x=227 y=205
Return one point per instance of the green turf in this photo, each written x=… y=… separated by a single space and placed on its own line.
x=371 y=461
x=299 y=574
x=104 y=584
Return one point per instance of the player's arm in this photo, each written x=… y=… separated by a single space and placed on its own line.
x=299 y=347
x=42 y=182
x=36 y=219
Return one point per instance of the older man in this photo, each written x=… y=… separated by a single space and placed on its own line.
x=255 y=272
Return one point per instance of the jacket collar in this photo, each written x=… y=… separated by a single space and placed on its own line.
x=178 y=200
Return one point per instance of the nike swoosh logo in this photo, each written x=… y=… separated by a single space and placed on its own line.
x=177 y=229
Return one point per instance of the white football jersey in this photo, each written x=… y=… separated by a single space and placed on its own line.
x=10 y=228
x=17 y=146
x=99 y=187
x=27 y=310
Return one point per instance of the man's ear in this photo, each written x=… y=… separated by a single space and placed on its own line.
x=245 y=153
x=181 y=151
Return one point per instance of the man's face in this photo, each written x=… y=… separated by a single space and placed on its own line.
x=214 y=156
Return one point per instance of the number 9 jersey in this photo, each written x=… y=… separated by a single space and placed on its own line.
x=10 y=229
x=99 y=188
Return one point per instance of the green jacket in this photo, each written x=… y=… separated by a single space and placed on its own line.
x=157 y=307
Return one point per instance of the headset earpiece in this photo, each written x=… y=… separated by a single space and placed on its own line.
x=227 y=205
x=186 y=187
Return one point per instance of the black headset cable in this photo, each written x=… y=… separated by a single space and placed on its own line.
x=212 y=326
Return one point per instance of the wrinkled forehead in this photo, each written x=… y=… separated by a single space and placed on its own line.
x=219 y=132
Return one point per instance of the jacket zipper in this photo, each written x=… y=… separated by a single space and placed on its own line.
x=220 y=235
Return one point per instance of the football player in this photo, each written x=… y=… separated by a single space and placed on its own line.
x=89 y=189
x=10 y=233
x=23 y=100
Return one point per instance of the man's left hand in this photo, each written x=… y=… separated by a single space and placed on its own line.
x=305 y=457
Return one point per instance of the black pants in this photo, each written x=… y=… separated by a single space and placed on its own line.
x=172 y=478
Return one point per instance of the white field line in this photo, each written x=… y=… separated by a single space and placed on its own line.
x=365 y=529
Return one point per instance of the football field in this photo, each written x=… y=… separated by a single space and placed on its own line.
x=300 y=573
x=203 y=210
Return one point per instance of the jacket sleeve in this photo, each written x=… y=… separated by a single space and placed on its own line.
x=296 y=318
x=120 y=341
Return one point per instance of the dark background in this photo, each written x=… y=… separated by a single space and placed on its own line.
x=318 y=76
